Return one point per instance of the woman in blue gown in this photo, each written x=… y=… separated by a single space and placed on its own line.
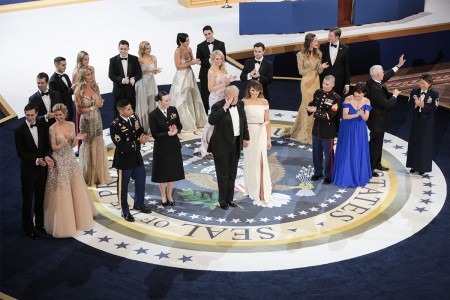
x=352 y=160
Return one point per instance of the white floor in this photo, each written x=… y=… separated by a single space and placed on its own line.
x=31 y=39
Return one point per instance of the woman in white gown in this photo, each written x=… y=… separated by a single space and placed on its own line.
x=146 y=88
x=184 y=90
x=218 y=80
x=258 y=184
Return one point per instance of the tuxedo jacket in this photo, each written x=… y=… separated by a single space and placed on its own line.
x=27 y=150
x=125 y=137
x=36 y=98
x=222 y=138
x=116 y=74
x=431 y=103
x=265 y=70
x=204 y=55
x=65 y=91
x=381 y=103
x=341 y=67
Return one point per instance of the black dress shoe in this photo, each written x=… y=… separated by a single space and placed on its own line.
x=375 y=174
x=128 y=217
x=223 y=206
x=164 y=203
x=232 y=204
x=315 y=177
x=381 y=168
x=327 y=181
x=143 y=209
x=171 y=203
x=412 y=171
x=41 y=229
x=33 y=235
x=421 y=173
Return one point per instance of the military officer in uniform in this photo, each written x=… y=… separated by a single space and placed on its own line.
x=128 y=135
x=324 y=107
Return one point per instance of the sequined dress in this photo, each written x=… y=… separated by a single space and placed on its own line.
x=146 y=90
x=93 y=158
x=309 y=68
x=67 y=204
x=186 y=97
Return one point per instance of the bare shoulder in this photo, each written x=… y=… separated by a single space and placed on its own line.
x=348 y=99
x=367 y=101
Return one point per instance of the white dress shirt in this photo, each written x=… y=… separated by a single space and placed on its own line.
x=235 y=119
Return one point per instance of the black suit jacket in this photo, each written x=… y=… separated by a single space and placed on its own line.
x=222 y=138
x=381 y=103
x=204 y=55
x=265 y=70
x=27 y=150
x=341 y=67
x=126 y=139
x=36 y=98
x=65 y=92
x=116 y=74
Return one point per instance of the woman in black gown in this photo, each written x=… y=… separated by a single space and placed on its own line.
x=167 y=165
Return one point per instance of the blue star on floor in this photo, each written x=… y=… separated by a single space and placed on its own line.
x=104 y=239
x=387 y=141
x=141 y=250
x=185 y=258
x=429 y=184
x=90 y=232
x=162 y=255
x=426 y=201
x=396 y=147
x=122 y=245
x=278 y=115
x=429 y=193
x=420 y=209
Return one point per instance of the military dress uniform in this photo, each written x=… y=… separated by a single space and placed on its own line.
x=128 y=160
x=324 y=132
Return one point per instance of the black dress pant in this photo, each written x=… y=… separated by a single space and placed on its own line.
x=376 y=148
x=226 y=169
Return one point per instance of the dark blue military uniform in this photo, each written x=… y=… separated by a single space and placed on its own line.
x=324 y=130
x=128 y=159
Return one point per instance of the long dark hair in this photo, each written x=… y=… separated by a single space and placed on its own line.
x=181 y=38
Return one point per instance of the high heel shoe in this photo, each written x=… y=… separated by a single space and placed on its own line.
x=164 y=203
x=171 y=203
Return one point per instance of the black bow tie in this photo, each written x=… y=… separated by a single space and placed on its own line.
x=32 y=125
x=422 y=93
x=257 y=62
x=44 y=94
x=233 y=105
x=123 y=58
x=333 y=45
x=210 y=43
x=61 y=75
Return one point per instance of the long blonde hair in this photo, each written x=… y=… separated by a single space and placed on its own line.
x=81 y=88
x=213 y=55
x=142 y=46
x=80 y=56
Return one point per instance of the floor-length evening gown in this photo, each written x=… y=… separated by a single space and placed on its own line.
x=310 y=68
x=352 y=159
x=254 y=153
x=146 y=90
x=93 y=158
x=186 y=98
x=208 y=129
x=67 y=204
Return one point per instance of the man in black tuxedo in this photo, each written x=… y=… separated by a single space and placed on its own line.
x=204 y=50
x=379 y=116
x=229 y=135
x=124 y=72
x=33 y=149
x=128 y=135
x=44 y=99
x=336 y=54
x=60 y=82
x=259 y=69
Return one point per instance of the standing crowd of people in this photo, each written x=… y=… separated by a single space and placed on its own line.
x=57 y=182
